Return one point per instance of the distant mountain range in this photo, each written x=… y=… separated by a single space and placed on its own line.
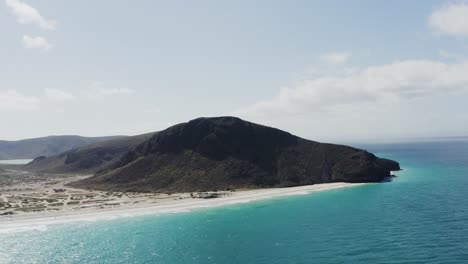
x=87 y=159
x=214 y=154
x=45 y=146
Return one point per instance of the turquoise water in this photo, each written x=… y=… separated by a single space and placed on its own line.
x=16 y=162
x=420 y=217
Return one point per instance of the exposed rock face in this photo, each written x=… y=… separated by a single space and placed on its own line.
x=227 y=152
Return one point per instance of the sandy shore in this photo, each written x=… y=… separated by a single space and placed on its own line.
x=130 y=205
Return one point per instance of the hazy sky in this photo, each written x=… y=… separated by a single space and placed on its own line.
x=324 y=70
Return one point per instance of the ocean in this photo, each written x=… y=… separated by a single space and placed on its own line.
x=15 y=162
x=419 y=217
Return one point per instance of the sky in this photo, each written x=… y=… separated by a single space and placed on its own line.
x=323 y=70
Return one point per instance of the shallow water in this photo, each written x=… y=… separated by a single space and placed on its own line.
x=420 y=217
x=16 y=162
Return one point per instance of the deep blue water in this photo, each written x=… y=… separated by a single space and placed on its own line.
x=420 y=217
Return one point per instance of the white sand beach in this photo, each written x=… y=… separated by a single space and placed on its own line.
x=48 y=207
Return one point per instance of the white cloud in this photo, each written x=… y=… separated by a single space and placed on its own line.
x=335 y=58
x=26 y=14
x=13 y=100
x=97 y=90
x=389 y=82
x=449 y=55
x=58 y=95
x=36 y=43
x=101 y=91
x=450 y=19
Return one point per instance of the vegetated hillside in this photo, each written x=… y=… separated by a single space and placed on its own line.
x=45 y=146
x=87 y=159
x=227 y=152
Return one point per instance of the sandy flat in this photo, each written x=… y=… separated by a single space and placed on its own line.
x=79 y=205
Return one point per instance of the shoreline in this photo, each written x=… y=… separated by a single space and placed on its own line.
x=40 y=220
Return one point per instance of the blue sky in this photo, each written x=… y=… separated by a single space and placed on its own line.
x=325 y=70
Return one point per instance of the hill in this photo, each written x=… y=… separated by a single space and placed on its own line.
x=89 y=158
x=44 y=146
x=230 y=153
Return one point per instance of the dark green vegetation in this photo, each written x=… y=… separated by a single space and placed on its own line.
x=46 y=146
x=214 y=154
x=87 y=159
